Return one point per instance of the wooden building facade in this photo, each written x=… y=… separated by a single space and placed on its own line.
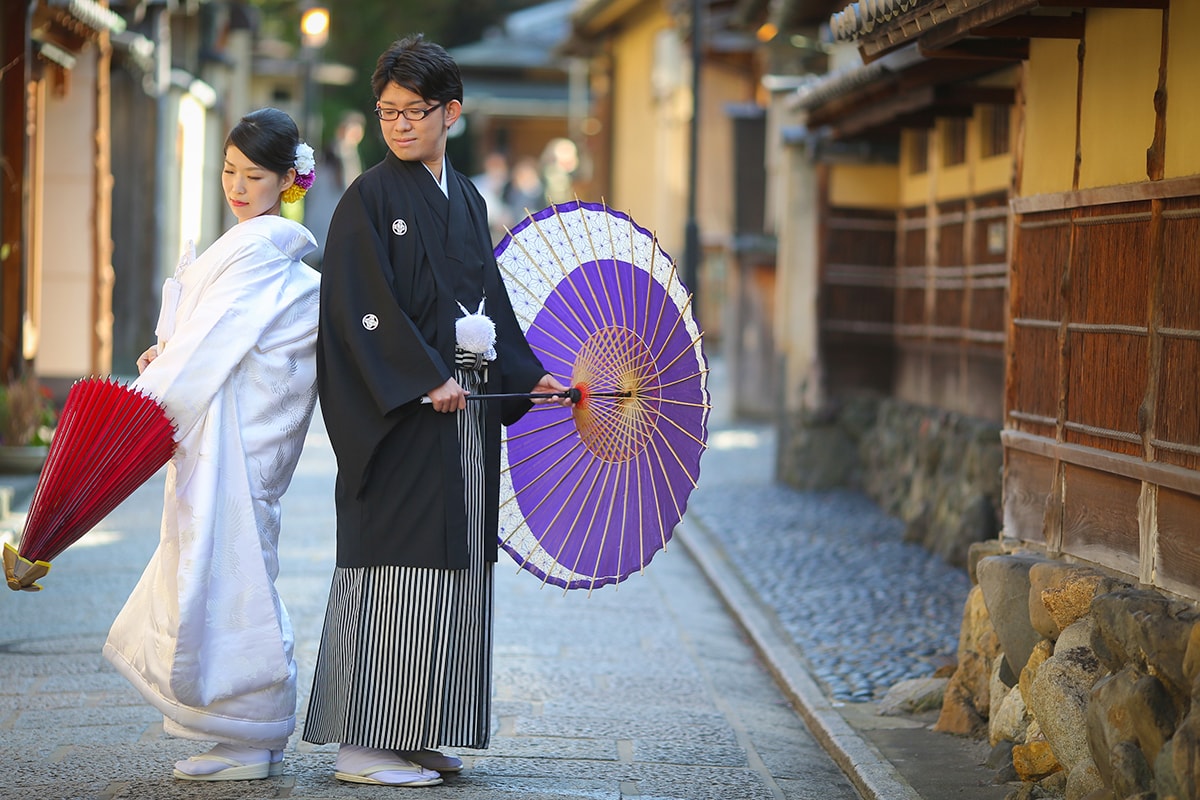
x=642 y=123
x=55 y=207
x=1056 y=290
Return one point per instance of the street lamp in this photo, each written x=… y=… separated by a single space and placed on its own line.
x=314 y=33
x=314 y=27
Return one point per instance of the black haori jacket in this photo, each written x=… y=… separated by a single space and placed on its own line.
x=396 y=256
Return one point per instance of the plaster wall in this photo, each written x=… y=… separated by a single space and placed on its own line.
x=63 y=312
x=1049 y=142
x=875 y=186
x=1116 y=112
x=649 y=136
x=798 y=268
x=1183 y=97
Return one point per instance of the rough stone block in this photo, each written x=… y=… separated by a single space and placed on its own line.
x=1166 y=785
x=913 y=696
x=979 y=551
x=997 y=690
x=1058 y=698
x=1063 y=593
x=1191 y=656
x=1005 y=584
x=978 y=647
x=820 y=457
x=1041 y=652
x=1034 y=761
x=1011 y=721
x=1077 y=634
x=1185 y=756
x=960 y=713
x=1129 y=706
x=1147 y=629
x=1131 y=774
x=1082 y=780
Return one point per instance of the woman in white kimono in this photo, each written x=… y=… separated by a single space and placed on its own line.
x=204 y=636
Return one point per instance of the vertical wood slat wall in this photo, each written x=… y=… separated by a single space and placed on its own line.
x=926 y=289
x=961 y=295
x=1102 y=420
x=857 y=298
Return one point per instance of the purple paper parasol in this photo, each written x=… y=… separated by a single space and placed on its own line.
x=589 y=494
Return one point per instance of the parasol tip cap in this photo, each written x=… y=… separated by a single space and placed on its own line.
x=20 y=573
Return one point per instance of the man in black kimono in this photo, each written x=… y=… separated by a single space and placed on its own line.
x=405 y=659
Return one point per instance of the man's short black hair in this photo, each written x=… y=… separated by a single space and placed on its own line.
x=422 y=67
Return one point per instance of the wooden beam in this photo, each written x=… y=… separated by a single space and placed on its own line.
x=1169 y=475
x=973 y=49
x=1034 y=27
x=12 y=222
x=1131 y=4
x=1102 y=195
x=870 y=115
x=972 y=95
x=914 y=108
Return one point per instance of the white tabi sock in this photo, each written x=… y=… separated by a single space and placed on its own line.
x=207 y=766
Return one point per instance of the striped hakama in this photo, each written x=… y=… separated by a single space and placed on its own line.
x=405 y=660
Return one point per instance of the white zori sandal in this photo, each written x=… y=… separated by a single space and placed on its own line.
x=227 y=762
x=432 y=759
x=380 y=767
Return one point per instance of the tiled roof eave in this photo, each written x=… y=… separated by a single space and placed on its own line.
x=834 y=85
x=878 y=26
x=92 y=14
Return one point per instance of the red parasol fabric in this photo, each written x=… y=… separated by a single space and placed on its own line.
x=110 y=439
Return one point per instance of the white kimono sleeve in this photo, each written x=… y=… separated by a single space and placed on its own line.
x=236 y=306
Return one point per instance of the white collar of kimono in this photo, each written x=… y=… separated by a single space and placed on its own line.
x=441 y=183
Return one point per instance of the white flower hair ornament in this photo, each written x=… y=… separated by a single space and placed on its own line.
x=476 y=333
x=306 y=171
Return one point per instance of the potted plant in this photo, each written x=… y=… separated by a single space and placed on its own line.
x=27 y=419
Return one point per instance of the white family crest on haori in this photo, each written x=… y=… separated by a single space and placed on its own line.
x=590 y=493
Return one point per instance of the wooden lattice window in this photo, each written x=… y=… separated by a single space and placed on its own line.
x=994 y=130
x=954 y=142
x=918 y=151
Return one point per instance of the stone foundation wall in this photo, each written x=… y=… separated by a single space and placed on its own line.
x=1084 y=684
x=938 y=472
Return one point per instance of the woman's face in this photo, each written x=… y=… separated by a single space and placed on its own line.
x=251 y=190
x=416 y=140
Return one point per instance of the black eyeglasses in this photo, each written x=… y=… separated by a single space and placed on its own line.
x=410 y=114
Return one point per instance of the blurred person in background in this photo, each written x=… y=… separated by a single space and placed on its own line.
x=491 y=183
x=340 y=165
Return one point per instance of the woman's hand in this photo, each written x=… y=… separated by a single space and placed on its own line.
x=550 y=385
x=449 y=397
x=145 y=358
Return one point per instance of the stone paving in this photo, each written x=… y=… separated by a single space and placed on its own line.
x=651 y=689
x=866 y=608
x=645 y=690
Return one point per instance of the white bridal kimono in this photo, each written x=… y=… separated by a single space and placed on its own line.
x=204 y=636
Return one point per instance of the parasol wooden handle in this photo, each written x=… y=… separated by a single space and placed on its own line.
x=21 y=572
x=575 y=394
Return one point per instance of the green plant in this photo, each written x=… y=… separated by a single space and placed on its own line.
x=27 y=413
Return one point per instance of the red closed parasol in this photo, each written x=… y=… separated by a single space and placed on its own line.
x=110 y=439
